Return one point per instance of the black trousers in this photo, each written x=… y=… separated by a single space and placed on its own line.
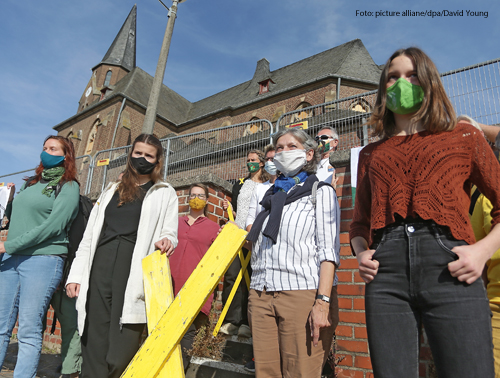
x=107 y=346
x=188 y=339
x=238 y=311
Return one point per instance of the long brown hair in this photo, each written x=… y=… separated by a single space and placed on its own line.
x=264 y=176
x=69 y=161
x=128 y=187
x=436 y=113
x=205 y=189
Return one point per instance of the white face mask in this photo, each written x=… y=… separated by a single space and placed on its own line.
x=270 y=168
x=290 y=162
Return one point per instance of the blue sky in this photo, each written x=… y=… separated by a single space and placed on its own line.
x=49 y=47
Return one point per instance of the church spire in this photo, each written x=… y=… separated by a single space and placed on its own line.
x=122 y=51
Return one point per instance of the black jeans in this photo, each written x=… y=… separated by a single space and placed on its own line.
x=414 y=287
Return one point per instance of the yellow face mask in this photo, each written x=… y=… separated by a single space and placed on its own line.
x=197 y=204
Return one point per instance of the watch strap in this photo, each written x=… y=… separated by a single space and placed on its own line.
x=323 y=298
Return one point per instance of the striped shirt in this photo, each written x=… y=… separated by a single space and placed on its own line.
x=307 y=237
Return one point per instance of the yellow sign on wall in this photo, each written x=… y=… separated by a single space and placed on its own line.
x=301 y=125
x=102 y=162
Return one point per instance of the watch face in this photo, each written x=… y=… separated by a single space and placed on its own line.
x=88 y=92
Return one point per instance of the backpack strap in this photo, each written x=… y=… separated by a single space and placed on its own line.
x=473 y=200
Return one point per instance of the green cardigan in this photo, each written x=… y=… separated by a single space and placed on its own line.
x=38 y=224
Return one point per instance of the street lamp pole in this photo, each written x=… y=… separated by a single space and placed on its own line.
x=150 y=118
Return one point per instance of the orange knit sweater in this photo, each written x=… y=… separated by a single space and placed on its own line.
x=426 y=175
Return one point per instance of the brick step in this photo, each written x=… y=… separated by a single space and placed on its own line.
x=236 y=353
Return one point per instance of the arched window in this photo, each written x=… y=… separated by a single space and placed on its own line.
x=253 y=127
x=360 y=106
x=108 y=78
x=91 y=138
x=302 y=114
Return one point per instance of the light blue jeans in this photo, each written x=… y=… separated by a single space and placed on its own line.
x=26 y=287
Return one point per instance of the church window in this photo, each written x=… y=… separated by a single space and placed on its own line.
x=108 y=78
x=302 y=112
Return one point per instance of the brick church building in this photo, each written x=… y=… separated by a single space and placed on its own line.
x=112 y=107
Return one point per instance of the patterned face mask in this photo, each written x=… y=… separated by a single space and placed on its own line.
x=197 y=204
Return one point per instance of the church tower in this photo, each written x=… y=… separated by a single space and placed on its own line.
x=118 y=61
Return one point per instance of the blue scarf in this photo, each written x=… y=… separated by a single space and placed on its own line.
x=284 y=184
x=273 y=204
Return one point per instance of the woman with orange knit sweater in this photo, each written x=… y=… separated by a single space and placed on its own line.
x=411 y=233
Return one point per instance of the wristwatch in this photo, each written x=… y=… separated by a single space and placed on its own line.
x=323 y=298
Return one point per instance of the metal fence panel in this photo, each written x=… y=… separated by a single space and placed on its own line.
x=107 y=166
x=346 y=115
x=218 y=151
x=83 y=169
x=474 y=91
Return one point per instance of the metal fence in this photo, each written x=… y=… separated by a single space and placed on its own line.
x=105 y=167
x=218 y=151
x=474 y=91
x=346 y=115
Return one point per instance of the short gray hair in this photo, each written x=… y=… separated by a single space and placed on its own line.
x=335 y=135
x=307 y=141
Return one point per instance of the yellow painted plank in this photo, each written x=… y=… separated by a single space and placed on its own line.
x=222 y=316
x=187 y=304
x=159 y=294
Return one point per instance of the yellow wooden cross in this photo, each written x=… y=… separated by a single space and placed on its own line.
x=156 y=350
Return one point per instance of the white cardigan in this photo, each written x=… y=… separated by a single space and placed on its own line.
x=159 y=219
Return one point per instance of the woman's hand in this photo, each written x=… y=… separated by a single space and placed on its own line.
x=319 y=317
x=368 y=267
x=72 y=290
x=165 y=246
x=225 y=204
x=2 y=247
x=470 y=264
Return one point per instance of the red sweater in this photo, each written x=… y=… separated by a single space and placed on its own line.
x=426 y=175
x=194 y=242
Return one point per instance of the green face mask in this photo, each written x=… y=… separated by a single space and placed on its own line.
x=253 y=167
x=404 y=97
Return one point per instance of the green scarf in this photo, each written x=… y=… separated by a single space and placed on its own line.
x=53 y=176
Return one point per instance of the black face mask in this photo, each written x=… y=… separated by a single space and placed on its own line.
x=142 y=166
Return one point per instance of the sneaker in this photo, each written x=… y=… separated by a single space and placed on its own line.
x=250 y=366
x=244 y=331
x=229 y=329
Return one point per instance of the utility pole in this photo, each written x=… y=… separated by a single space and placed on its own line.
x=149 y=120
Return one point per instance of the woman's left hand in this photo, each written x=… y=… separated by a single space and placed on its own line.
x=319 y=318
x=165 y=246
x=470 y=263
x=2 y=247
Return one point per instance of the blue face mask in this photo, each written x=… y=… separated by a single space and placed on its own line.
x=50 y=161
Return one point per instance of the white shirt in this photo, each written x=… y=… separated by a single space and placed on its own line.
x=4 y=197
x=325 y=170
x=307 y=237
x=255 y=207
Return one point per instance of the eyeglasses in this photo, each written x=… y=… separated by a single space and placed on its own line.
x=269 y=159
x=322 y=137
x=200 y=196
